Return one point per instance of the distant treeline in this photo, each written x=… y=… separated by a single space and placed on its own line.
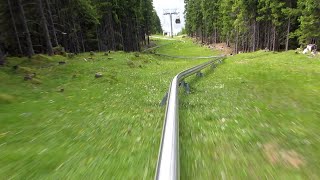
x=38 y=26
x=254 y=24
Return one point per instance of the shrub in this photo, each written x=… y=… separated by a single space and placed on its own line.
x=136 y=54
x=59 y=50
x=131 y=64
x=70 y=55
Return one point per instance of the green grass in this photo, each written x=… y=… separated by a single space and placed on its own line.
x=184 y=47
x=95 y=128
x=251 y=107
x=255 y=117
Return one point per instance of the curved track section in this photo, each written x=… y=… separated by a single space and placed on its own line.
x=168 y=167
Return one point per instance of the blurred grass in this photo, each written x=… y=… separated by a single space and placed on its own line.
x=251 y=109
x=108 y=127
x=256 y=117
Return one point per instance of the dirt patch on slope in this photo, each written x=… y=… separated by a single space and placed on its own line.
x=276 y=155
x=223 y=48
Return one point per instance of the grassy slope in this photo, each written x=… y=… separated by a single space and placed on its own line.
x=96 y=128
x=256 y=117
x=185 y=47
x=244 y=120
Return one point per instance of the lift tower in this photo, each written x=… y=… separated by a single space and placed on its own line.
x=170 y=12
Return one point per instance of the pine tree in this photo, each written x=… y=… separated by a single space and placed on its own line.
x=1 y=57
x=276 y=14
x=13 y=21
x=308 y=31
x=291 y=14
x=146 y=15
x=51 y=23
x=45 y=28
x=156 y=23
x=25 y=29
x=227 y=18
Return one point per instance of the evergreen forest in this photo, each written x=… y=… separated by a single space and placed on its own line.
x=254 y=24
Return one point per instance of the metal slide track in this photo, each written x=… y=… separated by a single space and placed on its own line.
x=168 y=167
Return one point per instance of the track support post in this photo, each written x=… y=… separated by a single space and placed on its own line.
x=186 y=86
x=164 y=100
x=199 y=74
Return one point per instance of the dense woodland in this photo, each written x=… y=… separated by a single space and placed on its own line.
x=254 y=24
x=45 y=26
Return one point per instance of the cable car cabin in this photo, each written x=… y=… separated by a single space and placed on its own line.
x=178 y=21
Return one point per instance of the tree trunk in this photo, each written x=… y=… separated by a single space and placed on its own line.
x=1 y=57
x=25 y=29
x=202 y=35
x=148 y=32
x=228 y=40
x=54 y=33
x=121 y=36
x=65 y=36
x=243 y=44
x=236 y=42
x=247 y=43
x=274 y=39
x=15 y=28
x=136 y=33
x=82 y=41
x=45 y=29
x=254 y=37
x=215 y=36
x=258 y=36
x=266 y=37
x=76 y=38
x=288 y=33
x=98 y=39
x=102 y=36
x=106 y=33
